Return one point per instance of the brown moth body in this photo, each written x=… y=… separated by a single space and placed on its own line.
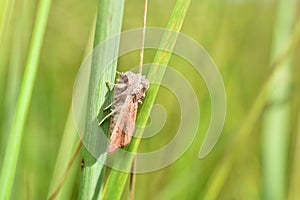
x=129 y=90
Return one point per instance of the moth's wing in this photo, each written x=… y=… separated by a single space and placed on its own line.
x=129 y=127
x=122 y=126
x=116 y=128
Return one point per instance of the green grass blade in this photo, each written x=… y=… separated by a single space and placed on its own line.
x=109 y=23
x=14 y=71
x=276 y=119
x=116 y=181
x=13 y=146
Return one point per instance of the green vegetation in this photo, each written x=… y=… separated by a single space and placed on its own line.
x=252 y=42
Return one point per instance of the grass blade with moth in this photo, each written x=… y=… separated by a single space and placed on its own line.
x=116 y=181
x=109 y=23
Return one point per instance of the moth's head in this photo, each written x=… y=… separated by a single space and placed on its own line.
x=137 y=83
x=144 y=83
x=137 y=79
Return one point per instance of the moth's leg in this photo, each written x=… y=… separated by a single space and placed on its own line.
x=116 y=84
x=120 y=73
x=111 y=84
x=117 y=96
x=112 y=103
x=107 y=116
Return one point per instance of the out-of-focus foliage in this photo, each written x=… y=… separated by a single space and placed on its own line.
x=237 y=34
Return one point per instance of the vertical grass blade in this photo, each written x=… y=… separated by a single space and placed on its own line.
x=276 y=119
x=108 y=24
x=116 y=181
x=12 y=78
x=13 y=146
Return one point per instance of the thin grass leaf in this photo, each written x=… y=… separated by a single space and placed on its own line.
x=276 y=120
x=109 y=23
x=14 y=142
x=13 y=77
x=14 y=70
x=116 y=181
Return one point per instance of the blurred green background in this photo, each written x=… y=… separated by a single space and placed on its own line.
x=244 y=37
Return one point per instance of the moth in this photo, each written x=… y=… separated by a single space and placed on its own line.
x=129 y=91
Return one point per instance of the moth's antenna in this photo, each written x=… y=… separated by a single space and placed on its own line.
x=143 y=37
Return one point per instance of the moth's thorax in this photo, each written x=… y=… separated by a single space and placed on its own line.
x=131 y=84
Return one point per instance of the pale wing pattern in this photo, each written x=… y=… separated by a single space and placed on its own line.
x=129 y=127
x=122 y=125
